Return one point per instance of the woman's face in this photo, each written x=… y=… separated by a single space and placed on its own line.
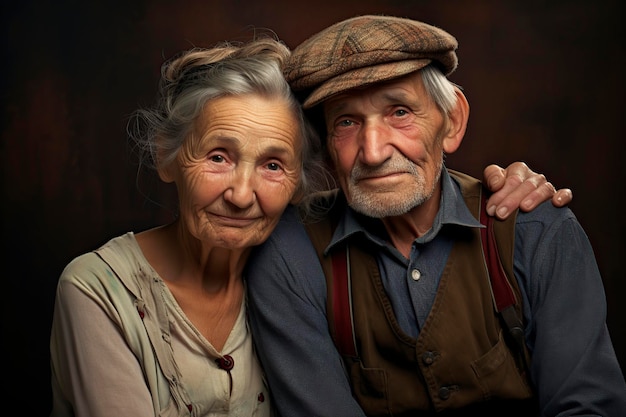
x=238 y=170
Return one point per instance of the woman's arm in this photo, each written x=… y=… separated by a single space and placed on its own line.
x=94 y=372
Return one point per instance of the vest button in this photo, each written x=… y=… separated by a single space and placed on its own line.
x=444 y=393
x=428 y=358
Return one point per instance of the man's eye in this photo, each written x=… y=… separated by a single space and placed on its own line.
x=345 y=123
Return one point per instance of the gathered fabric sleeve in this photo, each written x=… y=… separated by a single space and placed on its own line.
x=94 y=371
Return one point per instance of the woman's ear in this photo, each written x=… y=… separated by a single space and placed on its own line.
x=165 y=174
x=164 y=169
x=457 y=123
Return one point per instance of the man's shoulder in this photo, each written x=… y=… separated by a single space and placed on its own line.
x=286 y=254
x=290 y=233
x=545 y=213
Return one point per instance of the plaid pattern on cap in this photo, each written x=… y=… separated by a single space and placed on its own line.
x=365 y=50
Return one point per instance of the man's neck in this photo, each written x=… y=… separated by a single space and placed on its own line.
x=404 y=229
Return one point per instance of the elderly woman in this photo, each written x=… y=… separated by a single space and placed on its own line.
x=154 y=323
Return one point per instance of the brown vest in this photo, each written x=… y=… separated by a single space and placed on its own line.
x=461 y=362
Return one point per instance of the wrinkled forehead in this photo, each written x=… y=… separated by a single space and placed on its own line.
x=253 y=116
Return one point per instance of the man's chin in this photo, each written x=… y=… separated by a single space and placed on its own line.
x=380 y=207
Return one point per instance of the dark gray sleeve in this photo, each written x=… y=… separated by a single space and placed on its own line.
x=574 y=366
x=287 y=312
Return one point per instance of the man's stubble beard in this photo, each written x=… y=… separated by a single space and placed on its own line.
x=396 y=202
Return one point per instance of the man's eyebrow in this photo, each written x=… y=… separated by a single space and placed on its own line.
x=395 y=96
x=334 y=107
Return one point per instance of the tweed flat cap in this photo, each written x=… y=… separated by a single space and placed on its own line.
x=363 y=50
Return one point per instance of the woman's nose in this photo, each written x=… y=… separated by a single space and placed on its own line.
x=241 y=191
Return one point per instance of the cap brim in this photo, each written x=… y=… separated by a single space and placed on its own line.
x=362 y=77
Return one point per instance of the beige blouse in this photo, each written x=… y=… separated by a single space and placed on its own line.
x=121 y=346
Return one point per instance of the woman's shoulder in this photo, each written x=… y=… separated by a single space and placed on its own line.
x=117 y=257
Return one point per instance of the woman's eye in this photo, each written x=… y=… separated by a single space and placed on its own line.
x=216 y=158
x=273 y=166
x=401 y=112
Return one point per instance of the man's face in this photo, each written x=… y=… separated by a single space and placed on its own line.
x=386 y=145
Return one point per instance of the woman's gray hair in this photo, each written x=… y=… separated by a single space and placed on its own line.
x=196 y=76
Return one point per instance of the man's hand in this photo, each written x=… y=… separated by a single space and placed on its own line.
x=518 y=186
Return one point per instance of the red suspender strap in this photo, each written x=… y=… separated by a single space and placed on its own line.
x=503 y=297
x=342 y=304
x=502 y=292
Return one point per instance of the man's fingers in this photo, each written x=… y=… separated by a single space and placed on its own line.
x=544 y=191
x=508 y=196
x=519 y=186
x=563 y=197
x=494 y=177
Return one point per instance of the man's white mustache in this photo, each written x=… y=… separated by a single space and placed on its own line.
x=396 y=165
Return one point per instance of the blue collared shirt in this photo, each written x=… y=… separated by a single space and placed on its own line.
x=573 y=362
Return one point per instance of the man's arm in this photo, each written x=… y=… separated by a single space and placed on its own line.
x=573 y=363
x=519 y=186
x=287 y=313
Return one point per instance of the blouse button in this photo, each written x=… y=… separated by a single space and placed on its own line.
x=226 y=363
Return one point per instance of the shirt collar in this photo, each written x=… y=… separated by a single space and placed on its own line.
x=452 y=210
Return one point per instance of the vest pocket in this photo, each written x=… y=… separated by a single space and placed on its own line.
x=498 y=375
x=370 y=387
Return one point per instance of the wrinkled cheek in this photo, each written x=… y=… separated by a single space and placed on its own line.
x=260 y=234
x=343 y=176
x=343 y=164
x=270 y=224
x=333 y=155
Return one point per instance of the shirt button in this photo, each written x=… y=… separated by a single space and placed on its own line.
x=416 y=275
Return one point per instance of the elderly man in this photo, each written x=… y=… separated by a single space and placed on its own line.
x=381 y=303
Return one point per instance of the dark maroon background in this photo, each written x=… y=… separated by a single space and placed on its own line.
x=544 y=80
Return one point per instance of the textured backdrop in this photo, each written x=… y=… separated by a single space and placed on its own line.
x=544 y=81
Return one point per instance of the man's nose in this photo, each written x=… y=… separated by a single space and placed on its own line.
x=374 y=143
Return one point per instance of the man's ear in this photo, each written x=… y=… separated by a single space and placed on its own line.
x=457 y=123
